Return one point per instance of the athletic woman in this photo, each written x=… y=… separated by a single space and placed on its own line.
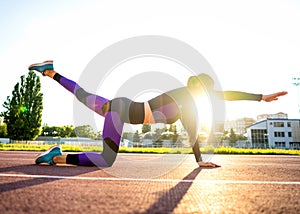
x=166 y=108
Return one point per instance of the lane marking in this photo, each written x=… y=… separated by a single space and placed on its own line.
x=151 y=180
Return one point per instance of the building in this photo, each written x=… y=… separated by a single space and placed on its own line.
x=275 y=133
x=239 y=126
x=278 y=115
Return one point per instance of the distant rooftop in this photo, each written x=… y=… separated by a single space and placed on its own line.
x=279 y=115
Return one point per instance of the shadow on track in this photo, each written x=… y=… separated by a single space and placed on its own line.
x=32 y=169
x=170 y=199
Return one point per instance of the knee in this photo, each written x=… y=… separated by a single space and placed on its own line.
x=110 y=162
x=110 y=151
x=109 y=159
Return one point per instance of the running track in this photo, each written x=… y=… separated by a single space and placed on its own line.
x=145 y=183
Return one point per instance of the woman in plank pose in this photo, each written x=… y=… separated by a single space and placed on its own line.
x=166 y=108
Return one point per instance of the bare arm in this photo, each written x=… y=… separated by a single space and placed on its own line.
x=196 y=151
x=238 y=95
x=234 y=95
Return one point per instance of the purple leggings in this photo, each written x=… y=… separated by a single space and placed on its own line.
x=121 y=111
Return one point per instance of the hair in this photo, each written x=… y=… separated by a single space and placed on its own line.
x=204 y=80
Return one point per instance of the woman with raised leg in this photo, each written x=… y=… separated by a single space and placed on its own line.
x=166 y=108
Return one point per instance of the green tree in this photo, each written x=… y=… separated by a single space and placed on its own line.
x=157 y=133
x=157 y=138
x=85 y=131
x=3 y=130
x=53 y=131
x=67 y=131
x=136 y=137
x=232 y=138
x=23 y=115
x=241 y=137
x=223 y=138
x=146 y=128
x=98 y=135
x=127 y=135
x=58 y=131
x=173 y=128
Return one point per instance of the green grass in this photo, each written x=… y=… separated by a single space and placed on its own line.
x=209 y=150
x=37 y=147
x=224 y=150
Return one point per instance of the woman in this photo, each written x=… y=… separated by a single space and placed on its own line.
x=166 y=108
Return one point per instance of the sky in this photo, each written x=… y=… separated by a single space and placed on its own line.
x=252 y=46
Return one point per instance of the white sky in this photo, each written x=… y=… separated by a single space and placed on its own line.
x=253 y=46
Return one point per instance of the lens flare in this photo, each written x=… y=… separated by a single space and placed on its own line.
x=204 y=109
x=23 y=109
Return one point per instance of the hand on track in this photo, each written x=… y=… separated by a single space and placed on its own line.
x=207 y=164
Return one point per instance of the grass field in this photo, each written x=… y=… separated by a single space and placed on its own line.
x=209 y=150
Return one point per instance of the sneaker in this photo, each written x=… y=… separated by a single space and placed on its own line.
x=41 y=67
x=47 y=157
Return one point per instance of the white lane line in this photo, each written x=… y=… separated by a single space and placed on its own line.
x=151 y=180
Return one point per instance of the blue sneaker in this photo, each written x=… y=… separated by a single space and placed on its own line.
x=41 y=67
x=47 y=157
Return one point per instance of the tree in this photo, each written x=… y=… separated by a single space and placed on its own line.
x=232 y=138
x=241 y=137
x=157 y=142
x=3 y=130
x=223 y=137
x=98 y=135
x=67 y=131
x=58 y=131
x=146 y=128
x=136 y=137
x=53 y=131
x=85 y=131
x=127 y=135
x=157 y=134
x=173 y=128
x=23 y=115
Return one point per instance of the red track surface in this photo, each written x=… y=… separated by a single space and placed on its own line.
x=143 y=183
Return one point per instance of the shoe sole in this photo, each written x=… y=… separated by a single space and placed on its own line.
x=41 y=64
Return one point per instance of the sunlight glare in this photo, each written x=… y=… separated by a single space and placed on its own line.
x=204 y=109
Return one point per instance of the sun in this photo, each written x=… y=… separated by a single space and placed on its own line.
x=204 y=110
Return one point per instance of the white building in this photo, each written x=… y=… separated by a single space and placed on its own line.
x=239 y=126
x=275 y=133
